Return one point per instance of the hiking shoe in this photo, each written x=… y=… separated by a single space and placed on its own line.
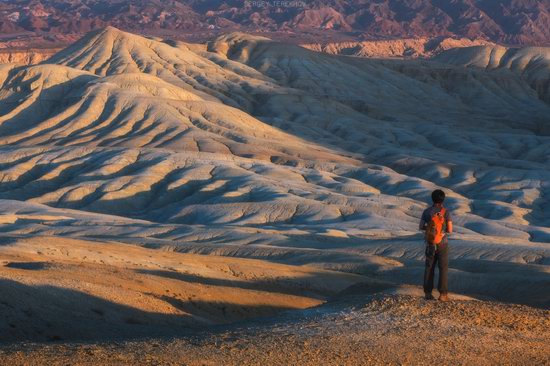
x=429 y=297
x=444 y=297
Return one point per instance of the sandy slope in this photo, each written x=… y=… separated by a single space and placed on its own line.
x=66 y=289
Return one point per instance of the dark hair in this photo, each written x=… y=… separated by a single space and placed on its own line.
x=438 y=196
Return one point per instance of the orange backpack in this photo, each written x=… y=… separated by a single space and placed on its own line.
x=434 y=230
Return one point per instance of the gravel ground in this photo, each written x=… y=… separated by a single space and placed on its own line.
x=374 y=330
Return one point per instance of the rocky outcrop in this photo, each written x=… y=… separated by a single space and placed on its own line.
x=25 y=57
x=401 y=48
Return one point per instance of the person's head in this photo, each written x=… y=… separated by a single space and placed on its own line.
x=438 y=196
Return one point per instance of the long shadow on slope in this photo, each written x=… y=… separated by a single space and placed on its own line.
x=160 y=196
x=28 y=185
x=19 y=160
x=540 y=214
x=288 y=287
x=160 y=203
x=5 y=240
x=46 y=104
x=401 y=262
x=48 y=313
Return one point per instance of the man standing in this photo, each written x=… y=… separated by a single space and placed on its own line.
x=437 y=224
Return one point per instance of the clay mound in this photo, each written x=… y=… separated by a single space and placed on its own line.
x=533 y=63
x=370 y=88
x=111 y=51
x=65 y=106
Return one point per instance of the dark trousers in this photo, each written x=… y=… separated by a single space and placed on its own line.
x=436 y=255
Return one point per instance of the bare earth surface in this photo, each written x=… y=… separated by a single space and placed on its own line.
x=67 y=301
x=377 y=330
x=64 y=289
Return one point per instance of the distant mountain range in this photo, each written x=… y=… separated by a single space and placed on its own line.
x=525 y=22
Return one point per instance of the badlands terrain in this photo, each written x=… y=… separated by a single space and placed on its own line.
x=156 y=195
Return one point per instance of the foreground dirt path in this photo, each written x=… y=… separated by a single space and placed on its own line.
x=355 y=330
